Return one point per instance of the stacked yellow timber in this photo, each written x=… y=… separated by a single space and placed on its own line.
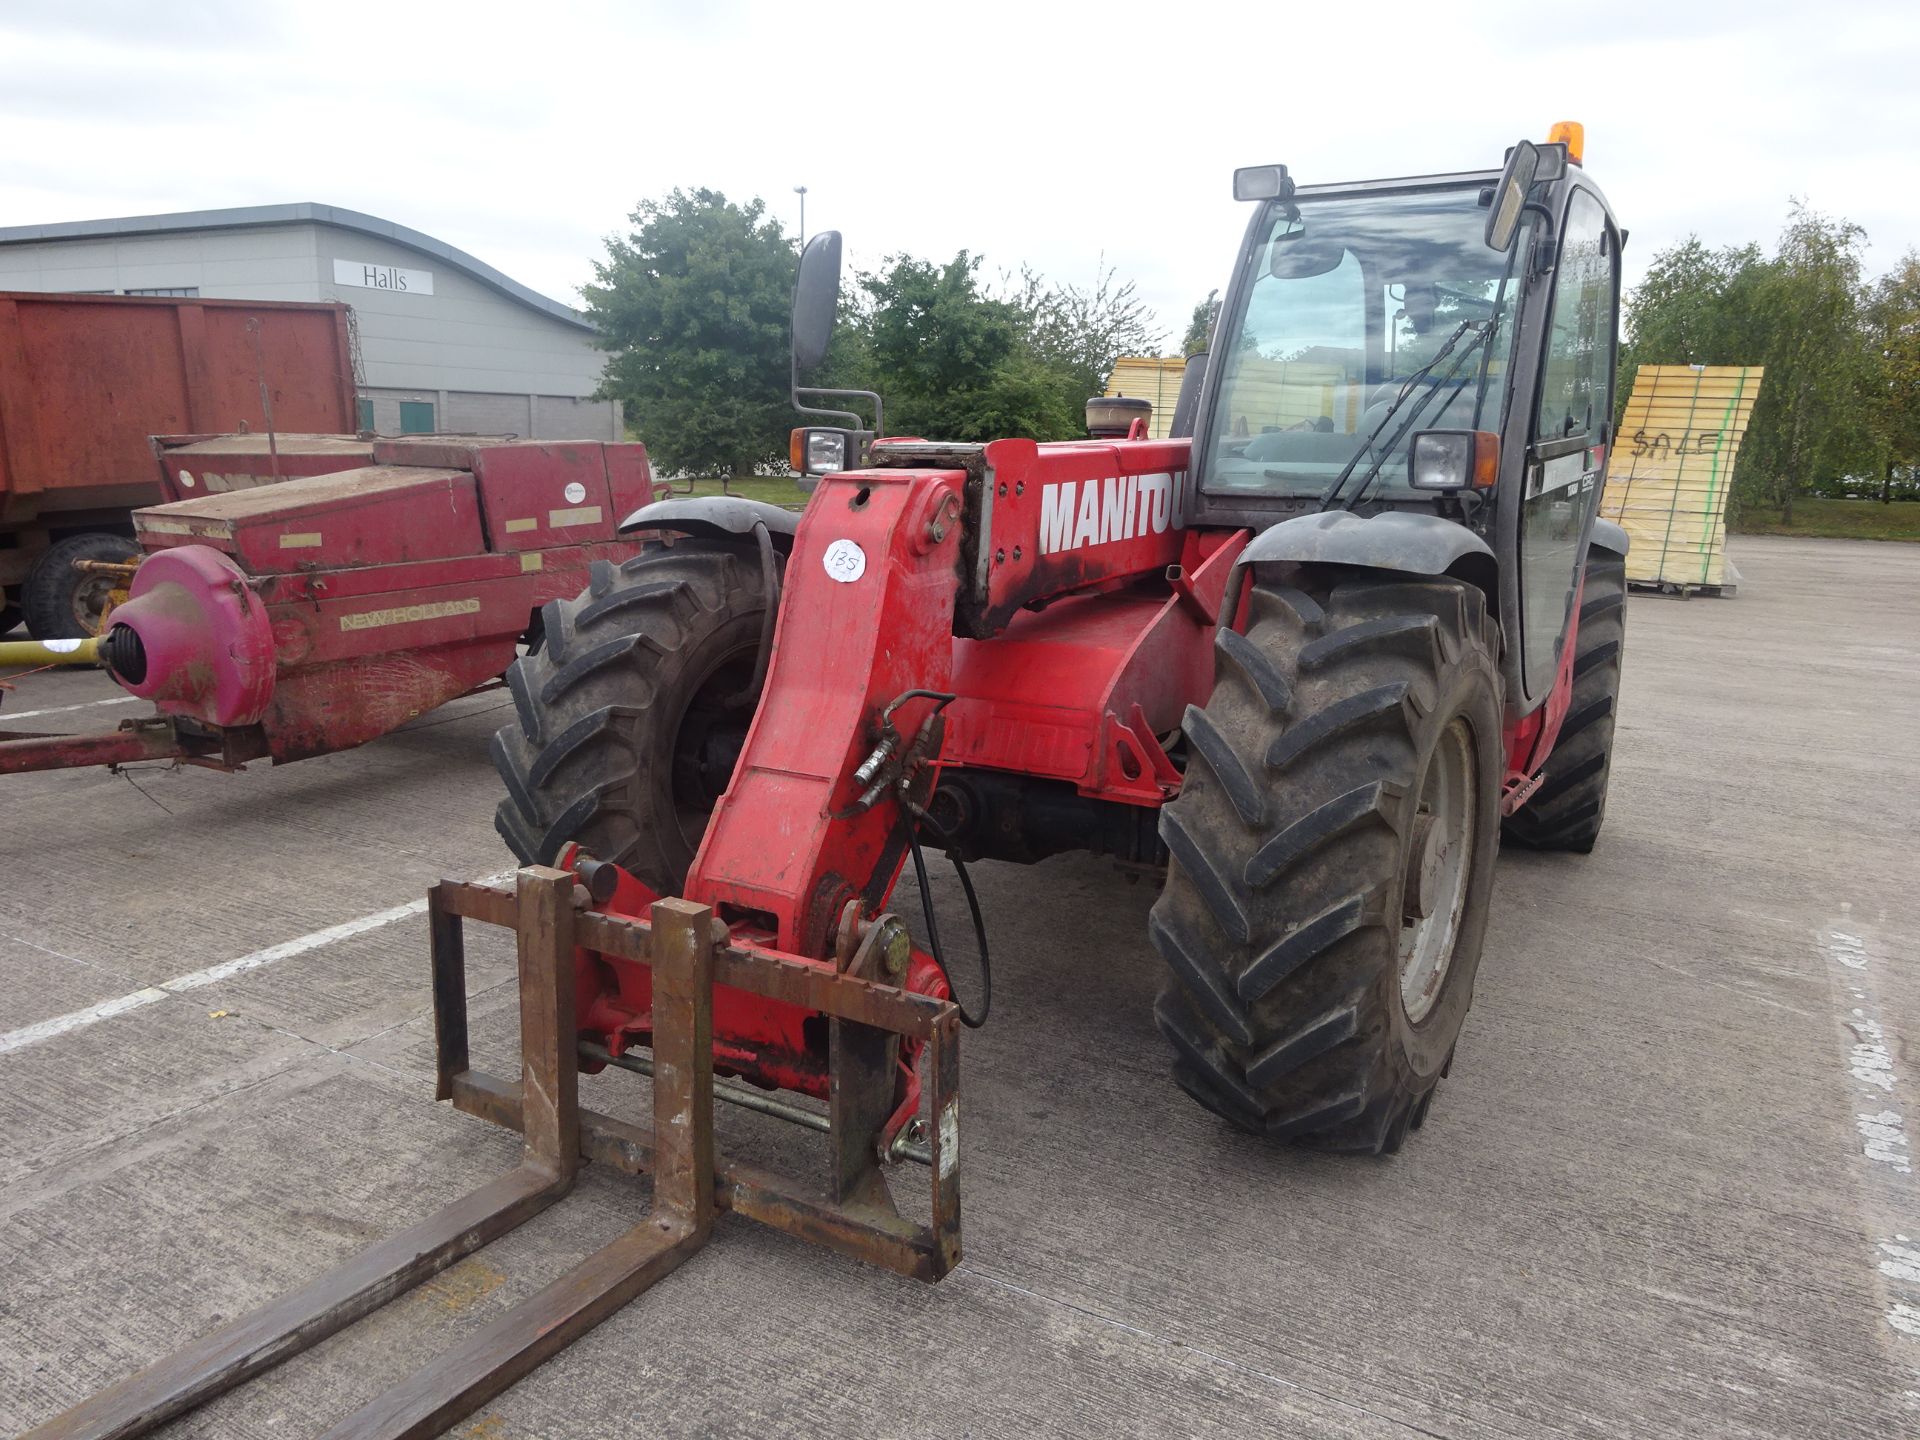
x=1150 y=377
x=1267 y=394
x=1671 y=468
x=1280 y=394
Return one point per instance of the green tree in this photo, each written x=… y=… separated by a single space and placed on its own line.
x=1199 y=334
x=1799 y=314
x=953 y=362
x=694 y=305
x=1695 y=307
x=1080 y=332
x=1809 y=416
x=1893 y=329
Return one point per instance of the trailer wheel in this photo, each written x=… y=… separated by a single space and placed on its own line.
x=63 y=603
x=1331 y=855
x=1566 y=811
x=630 y=715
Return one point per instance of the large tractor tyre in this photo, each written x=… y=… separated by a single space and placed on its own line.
x=1331 y=855
x=1566 y=811
x=631 y=714
x=63 y=603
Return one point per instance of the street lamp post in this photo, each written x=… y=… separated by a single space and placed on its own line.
x=801 y=191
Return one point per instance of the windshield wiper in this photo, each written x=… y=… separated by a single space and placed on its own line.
x=1482 y=329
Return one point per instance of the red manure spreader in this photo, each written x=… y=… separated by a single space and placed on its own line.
x=1309 y=659
x=279 y=620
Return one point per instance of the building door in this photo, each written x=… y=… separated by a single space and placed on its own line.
x=416 y=417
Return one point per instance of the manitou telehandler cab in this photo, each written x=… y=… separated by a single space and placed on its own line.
x=1311 y=655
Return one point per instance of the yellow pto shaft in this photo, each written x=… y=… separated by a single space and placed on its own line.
x=49 y=652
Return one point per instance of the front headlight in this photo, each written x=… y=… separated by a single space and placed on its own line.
x=826 y=452
x=1453 y=460
x=1440 y=460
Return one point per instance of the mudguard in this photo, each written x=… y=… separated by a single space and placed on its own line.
x=1405 y=540
x=716 y=517
x=1610 y=537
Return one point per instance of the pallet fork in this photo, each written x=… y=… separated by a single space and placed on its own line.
x=689 y=954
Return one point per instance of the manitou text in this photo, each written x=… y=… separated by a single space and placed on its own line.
x=1076 y=513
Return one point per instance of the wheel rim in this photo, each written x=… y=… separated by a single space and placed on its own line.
x=91 y=597
x=1440 y=846
x=708 y=739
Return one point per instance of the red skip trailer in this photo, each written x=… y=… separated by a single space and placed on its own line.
x=86 y=379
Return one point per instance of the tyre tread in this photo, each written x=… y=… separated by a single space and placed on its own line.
x=1275 y=924
x=574 y=759
x=1565 y=812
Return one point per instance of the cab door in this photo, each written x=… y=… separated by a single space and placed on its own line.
x=1573 y=415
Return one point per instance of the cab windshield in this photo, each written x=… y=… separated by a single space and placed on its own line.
x=1351 y=298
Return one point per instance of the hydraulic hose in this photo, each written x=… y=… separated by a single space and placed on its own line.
x=972 y=1022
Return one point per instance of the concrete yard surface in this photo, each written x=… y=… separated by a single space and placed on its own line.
x=1667 y=1191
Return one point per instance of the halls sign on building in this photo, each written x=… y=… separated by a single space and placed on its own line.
x=369 y=276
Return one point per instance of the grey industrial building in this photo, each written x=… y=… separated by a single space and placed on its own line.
x=446 y=342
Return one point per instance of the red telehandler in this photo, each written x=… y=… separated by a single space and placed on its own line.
x=1311 y=656
x=1307 y=657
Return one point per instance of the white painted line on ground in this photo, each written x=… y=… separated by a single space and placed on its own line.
x=74 y=1020
x=1884 y=1144
x=11 y=715
x=1905 y=1318
x=1904 y=1261
x=289 y=948
x=1870 y=1062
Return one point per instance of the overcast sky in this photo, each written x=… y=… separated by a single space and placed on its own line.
x=1050 y=134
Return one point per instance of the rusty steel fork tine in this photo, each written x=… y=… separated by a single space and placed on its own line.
x=258 y=1341
x=457 y=1383
x=263 y=1338
x=680 y=944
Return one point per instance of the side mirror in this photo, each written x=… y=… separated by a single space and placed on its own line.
x=1262 y=182
x=1510 y=195
x=816 y=298
x=1296 y=256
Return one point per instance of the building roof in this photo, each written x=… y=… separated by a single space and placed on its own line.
x=306 y=212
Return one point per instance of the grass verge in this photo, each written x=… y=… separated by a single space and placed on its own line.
x=775 y=490
x=1837 y=520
